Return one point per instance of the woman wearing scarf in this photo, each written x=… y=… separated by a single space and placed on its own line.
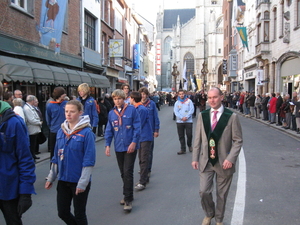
x=74 y=158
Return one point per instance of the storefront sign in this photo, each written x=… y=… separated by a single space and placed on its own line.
x=260 y=77
x=116 y=48
x=12 y=45
x=136 y=56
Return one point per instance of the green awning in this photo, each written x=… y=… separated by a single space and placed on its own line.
x=41 y=73
x=60 y=76
x=99 y=80
x=85 y=77
x=12 y=69
x=74 y=77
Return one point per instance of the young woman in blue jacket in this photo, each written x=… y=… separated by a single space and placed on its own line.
x=73 y=160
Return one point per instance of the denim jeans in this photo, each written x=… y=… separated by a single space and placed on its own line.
x=144 y=161
x=126 y=166
x=10 y=211
x=182 y=130
x=65 y=195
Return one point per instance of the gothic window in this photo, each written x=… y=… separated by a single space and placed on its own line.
x=275 y=24
x=190 y=63
x=298 y=13
x=266 y=15
x=167 y=46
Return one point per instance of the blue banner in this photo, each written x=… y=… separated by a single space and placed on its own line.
x=52 y=22
x=136 y=56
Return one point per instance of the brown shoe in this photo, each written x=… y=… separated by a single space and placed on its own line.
x=180 y=152
x=206 y=220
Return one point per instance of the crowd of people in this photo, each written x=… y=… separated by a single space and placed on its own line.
x=279 y=110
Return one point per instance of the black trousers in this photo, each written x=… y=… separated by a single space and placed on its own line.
x=52 y=140
x=126 y=167
x=10 y=211
x=33 y=143
x=144 y=161
x=182 y=130
x=65 y=194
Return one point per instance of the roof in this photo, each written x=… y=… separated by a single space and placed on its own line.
x=171 y=15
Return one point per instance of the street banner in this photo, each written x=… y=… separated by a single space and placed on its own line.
x=52 y=22
x=185 y=83
x=260 y=77
x=243 y=34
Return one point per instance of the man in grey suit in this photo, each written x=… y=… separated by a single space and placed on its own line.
x=217 y=144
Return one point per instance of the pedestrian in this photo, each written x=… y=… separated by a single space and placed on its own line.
x=38 y=111
x=8 y=97
x=17 y=167
x=258 y=106
x=215 y=154
x=102 y=117
x=73 y=161
x=154 y=120
x=124 y=127
x=33 y=122
x=18 y=109
x=297 y=113
x=126 y=89
x=287 y=111
x=89 y=105
x=279 y=102
x=184 y=109
x=202 y=100
x=251 y=102
x=272 y=108
x=55 y=115
x=156 y=101
x=146 y=139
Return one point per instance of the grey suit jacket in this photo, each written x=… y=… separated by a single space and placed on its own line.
x=229 y=145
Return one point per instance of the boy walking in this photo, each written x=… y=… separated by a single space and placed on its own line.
x=146 y=139
x=124 y=126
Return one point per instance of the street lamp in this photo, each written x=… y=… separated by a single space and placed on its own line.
x=204 y=71
x=175 y=73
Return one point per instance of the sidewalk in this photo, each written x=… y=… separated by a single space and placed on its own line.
x=286 y=131
x=45 y=155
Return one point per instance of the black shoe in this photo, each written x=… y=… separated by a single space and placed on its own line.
x=277 y=124
x=286 y=128
x=272 y=122
x=35 y=157
x=180 y=152
x=37 y=153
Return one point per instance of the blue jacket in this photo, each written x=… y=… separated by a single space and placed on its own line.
x=153 y=115
x=55 y=115
x=146 y=129
x=17 y=167
x=73 y=153
x=125 y=133
x=184 y=108
x=90 y=109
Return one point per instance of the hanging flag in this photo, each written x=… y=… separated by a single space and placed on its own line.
x=185 y=83
x=52 y=22
x=180 y=85
x=195 y=82
x=243 y=34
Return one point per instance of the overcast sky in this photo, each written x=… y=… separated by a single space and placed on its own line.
x=149 y=9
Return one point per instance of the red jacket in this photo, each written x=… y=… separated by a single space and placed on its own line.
x=272 y=107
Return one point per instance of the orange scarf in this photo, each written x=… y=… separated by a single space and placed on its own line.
x=120 y=114
x=137 y=104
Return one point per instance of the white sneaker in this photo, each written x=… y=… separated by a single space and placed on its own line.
x=139 y=187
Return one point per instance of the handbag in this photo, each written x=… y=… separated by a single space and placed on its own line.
x=41 y=138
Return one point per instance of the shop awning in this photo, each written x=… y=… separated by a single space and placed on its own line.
x=41 y=73
x=99 y=80
x=122 y=80
x=60 y=76
x=85 y=77
x=12 y=69
x=74 y=77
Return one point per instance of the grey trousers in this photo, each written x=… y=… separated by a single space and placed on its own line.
x=206 y=188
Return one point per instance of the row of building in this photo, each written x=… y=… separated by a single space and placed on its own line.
x=51 y=43
x=237 y=45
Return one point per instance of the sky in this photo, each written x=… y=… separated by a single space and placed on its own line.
x=149 y=9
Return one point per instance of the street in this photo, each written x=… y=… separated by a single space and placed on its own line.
x=272 y=176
